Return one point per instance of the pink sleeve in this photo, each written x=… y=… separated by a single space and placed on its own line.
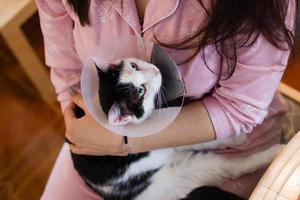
x=60 y=53
x=239 y=104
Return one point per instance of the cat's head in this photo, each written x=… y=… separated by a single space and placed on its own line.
x=128 y=89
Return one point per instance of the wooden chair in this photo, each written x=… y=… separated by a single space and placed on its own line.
x=282 y=179
x=13 y=13
x=289 y=91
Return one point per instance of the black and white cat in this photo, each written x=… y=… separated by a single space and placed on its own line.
x=128 y=89
x=127 y=95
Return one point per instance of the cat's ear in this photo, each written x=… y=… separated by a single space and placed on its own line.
x=99 y=70
x=116 y=118
x=117 y=64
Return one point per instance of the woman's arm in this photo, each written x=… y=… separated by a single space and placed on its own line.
x=57 y=27
x=192 y=126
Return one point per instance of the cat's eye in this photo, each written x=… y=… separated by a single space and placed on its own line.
x=134 y=66
x=142 y=90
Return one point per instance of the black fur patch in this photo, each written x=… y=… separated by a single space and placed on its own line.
x=131 y=188
x=107 y=86
x=101 y=170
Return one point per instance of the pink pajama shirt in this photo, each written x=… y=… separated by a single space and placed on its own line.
x=246 y=103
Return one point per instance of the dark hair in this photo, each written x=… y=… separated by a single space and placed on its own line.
x=81 y=8
x=226 y=20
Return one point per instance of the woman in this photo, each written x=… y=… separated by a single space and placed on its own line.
x=232 y=55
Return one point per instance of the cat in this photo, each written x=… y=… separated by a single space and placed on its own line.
x=127 y=90
x=164 y=174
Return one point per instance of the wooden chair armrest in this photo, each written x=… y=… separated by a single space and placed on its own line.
x=282 y=179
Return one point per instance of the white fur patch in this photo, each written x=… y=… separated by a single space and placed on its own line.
x=154 y=160
x=190 y=171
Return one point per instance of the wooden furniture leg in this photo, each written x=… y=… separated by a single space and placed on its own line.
x=12 y=16
x=30 y=63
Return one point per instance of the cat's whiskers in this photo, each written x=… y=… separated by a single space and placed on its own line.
x=163 y=97
x=160 y=99
x=157 y=102
x=162 y=87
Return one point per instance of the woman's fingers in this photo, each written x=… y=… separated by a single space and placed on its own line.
x=77 y=99
x=69 y=114
x=71 y=139
x=80 y=110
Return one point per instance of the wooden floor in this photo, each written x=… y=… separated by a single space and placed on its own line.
x=31 y=134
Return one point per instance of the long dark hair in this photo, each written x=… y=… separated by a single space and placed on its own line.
x=226 y=20
x=81 y=8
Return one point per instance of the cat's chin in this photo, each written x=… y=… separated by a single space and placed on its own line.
x=128 y=120
x=136 y=121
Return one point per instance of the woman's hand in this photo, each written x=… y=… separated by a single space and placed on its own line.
x=89 y=137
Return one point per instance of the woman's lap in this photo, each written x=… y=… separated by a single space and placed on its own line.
x=65 y=183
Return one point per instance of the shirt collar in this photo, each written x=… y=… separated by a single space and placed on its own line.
x=155 y=12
